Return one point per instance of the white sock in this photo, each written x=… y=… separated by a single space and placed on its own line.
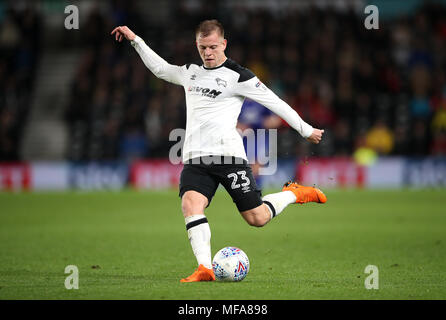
x=276 y=202
x=199 y=234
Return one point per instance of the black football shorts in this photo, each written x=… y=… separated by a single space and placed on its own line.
x=206 y=173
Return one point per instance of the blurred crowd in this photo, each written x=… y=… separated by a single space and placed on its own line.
x=381 y=89
x=19 y=52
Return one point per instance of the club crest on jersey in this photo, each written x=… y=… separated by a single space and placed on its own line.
x=221 y=82
x=206 y=92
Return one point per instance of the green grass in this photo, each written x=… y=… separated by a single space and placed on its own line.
x=139 y=242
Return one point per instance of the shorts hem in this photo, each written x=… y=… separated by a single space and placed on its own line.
x=248 y=207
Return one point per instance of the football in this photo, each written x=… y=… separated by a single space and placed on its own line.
x=230 y=264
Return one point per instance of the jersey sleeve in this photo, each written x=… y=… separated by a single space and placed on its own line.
x=255 y=90
x=157 y=65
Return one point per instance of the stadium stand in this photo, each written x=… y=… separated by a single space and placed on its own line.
x=334 y=72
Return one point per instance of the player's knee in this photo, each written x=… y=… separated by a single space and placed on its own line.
x=189 y=207
x=192 y=204
x=257 y=217
x=257 y=223
x=256 y=220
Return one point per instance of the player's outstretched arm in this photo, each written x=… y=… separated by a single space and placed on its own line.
x=258 y=92
x=159 y=67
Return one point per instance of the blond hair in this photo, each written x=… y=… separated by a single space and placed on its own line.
x=206 y=27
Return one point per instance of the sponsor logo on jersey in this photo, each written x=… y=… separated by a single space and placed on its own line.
x=206 y=92
x=246 y=189
x=260 y=85
x=193 y=77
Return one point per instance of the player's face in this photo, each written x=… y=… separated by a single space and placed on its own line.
x=211 y=49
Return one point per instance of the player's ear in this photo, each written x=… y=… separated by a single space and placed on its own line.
x=225 y=43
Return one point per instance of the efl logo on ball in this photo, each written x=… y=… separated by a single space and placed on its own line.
x=230 y=264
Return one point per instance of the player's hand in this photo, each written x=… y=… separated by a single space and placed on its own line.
x=316 y=136
x=123 y=32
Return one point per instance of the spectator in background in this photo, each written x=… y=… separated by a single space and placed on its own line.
x=254 y=116
x=9 y=33
x=438 y=147
x=133 y=145
x=401 y=140
x=419 y=138
x=439 y=119
x=364 y=155
x=401 y=37
x=321 y=113
x=342 y=139
x=19 y=52
x=153 y=121
x=110 y=140
x=380 y=138
x=8 y=135
x=344 y=99
x=420 y=81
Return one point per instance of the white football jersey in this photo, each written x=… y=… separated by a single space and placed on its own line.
x=214 y=98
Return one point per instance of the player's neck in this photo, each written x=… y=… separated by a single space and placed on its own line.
x=218 y=65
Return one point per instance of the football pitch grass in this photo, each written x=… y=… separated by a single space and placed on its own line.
x=133 y=245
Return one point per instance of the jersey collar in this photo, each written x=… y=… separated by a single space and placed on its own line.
x=219 y=66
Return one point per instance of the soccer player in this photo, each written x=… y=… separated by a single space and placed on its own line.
x=213 y=151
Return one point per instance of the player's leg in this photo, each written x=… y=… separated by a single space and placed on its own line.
x=193 y=204
x=239 y=182
x=275 y=203
x=196 y=192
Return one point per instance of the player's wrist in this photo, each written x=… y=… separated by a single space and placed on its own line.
x=307 y=131
x=135 y=40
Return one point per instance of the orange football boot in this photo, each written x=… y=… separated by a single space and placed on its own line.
x=201 y=274
x=305 y=194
